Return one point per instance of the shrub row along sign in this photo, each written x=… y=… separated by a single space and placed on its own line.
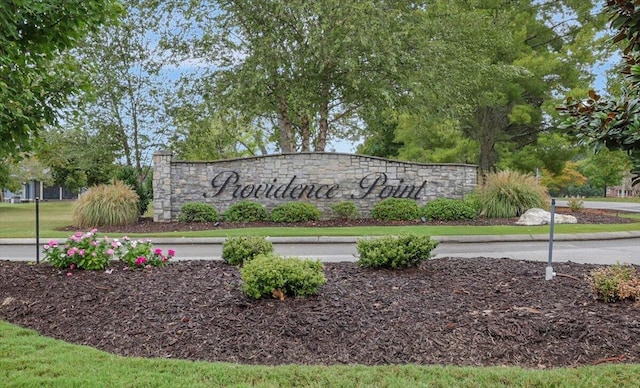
x=319 y=178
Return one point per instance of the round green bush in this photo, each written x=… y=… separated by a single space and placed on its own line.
x=198 y=212
x=245 y=211
x=395 y=251
x=345 y=210
x=104 y=205
x=396 y=209
x=242 y=249
x=448 y=209
x=295 y=212
x=270 y=275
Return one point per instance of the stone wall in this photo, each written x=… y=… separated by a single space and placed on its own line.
x=319 y=178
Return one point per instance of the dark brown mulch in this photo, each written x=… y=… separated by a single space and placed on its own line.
x=146 y=225
x=448 y=311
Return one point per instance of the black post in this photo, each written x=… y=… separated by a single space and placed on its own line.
x=37 y=199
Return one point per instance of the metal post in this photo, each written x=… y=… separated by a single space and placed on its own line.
x=37 y=199
x=549 y=272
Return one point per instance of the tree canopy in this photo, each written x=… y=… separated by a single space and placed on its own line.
x=533 y=53
x=37 y=76
x=613 y=122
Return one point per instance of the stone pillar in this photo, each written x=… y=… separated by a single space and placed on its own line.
x=162 y=186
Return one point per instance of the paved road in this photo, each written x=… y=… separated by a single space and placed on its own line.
x=631 y=207
x=598 y=248
x=605 y=249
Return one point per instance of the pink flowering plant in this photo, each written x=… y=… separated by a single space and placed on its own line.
x=86 y=251
x=141 y=253
x=82 y=251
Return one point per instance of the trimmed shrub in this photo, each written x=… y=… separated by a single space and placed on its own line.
x=245 y=211
x=510 y=194
x=239 y=250
x=295 y=212
x=473 y=200
x=615 y=282
x=198 y=212
x=345 y=210
x=447 y=209
x=395 y=251
x=396 y=209
x=105 y=205
x=275 y=276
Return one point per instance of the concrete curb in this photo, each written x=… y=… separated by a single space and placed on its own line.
x=475 y=239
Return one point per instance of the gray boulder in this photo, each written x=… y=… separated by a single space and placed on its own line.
x=537 y=216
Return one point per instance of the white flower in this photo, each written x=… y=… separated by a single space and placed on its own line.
x=108 y=271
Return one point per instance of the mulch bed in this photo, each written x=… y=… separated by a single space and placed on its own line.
x=447 y=311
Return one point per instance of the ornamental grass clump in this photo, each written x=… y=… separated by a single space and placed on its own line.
x=198 y=212
x=278 y=277
x=615 y=282
x=242 y=249
x=396 y=209
x=246 y=211
x=395 y=251
x=295 y=212
x=509 y=194
x=106 y=205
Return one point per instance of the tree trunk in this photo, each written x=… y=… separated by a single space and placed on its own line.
x=323 y=127
x=286 y=139
x=306 y=133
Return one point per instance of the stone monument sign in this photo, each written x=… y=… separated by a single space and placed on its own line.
x=320 y=178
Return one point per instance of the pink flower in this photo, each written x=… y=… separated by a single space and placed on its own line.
x=172 y=252
x=140 y=261
x=94 y=243
x=158 y=251
x=78 y=234
x=69 y=274
x=109 y=251
x=53 y=243
x=81 y=252
x=72 y=266
x=46 y=247
x=94 y=230
x=71 y=252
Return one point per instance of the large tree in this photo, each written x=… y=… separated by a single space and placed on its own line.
x=131 y=85
x=531 y=53
x=37 y=76
x=315 y=68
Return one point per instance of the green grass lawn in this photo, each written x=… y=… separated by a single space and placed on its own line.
x=29 y=360
x=18 y=221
